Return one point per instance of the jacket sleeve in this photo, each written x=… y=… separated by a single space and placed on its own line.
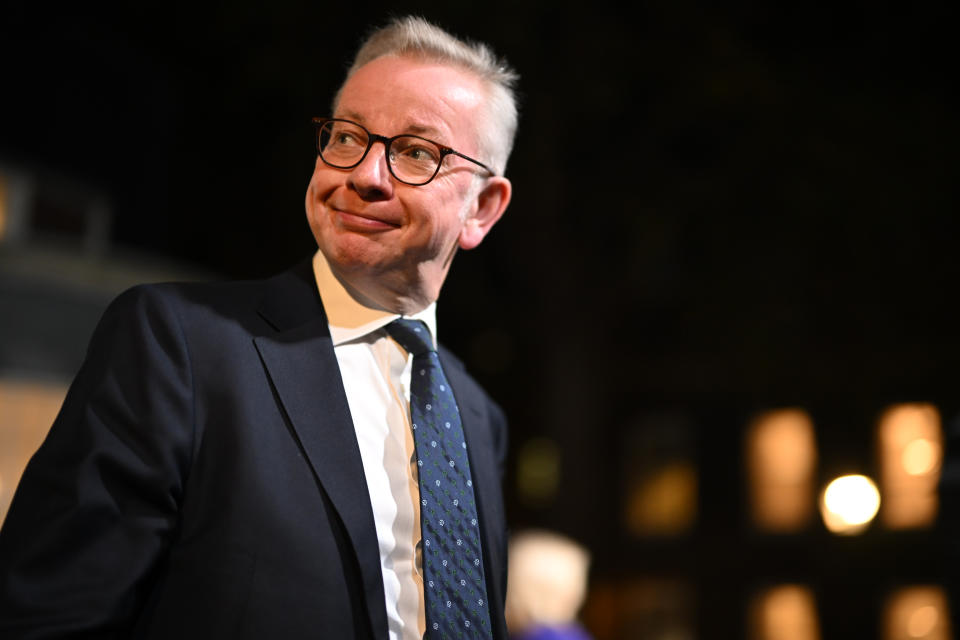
x=98 y=503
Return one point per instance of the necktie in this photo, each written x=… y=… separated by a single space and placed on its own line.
x=455 y=592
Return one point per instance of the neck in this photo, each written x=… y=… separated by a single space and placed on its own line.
x=387 y=292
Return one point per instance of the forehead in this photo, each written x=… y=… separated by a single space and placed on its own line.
x=392 y=95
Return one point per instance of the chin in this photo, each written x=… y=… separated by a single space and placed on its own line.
x=345 y=258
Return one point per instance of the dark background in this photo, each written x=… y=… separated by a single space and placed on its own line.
x=716 y=211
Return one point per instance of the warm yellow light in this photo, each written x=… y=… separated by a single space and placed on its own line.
x=922 y=621
x=910 y=451
x=784 y=612
x=782 y=457
x=921 y=457
x=917 y=613
x=664 y=502
x=849 y=503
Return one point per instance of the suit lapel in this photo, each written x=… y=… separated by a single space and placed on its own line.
x=303 y=368
x=485 y=472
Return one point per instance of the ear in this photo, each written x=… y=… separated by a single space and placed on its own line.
x=491 y=202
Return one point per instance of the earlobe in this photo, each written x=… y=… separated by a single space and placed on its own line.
x=492 y=201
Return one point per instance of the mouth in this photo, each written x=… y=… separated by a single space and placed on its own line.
x=361 y=221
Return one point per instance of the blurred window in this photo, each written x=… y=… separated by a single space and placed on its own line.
x=781 y=459
x=661 y=476
x=784 y=612
x=917 y=613
x=911 y=454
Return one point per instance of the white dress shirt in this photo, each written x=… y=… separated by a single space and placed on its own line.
x=376 y=376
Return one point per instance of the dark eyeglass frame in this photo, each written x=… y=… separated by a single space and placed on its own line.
x=373 y=137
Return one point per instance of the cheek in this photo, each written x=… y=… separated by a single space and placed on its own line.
x=314 y=204
x=318 y=191
x=322 y=181
x=451 y=205
x=316 y=186
x=440 y=216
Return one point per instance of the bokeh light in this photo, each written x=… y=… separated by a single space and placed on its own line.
x=784 y=612
x=917 y=613
x=782 y=457
x=849 y=503
x=910 y=444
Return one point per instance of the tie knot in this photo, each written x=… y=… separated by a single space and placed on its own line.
x=413 y=335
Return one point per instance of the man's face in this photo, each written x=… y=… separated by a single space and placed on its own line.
x=385 y=238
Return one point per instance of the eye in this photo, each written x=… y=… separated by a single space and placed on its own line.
x=416 y=150
x=346 y=135
x=422 y=154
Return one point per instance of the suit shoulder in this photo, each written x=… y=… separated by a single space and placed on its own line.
x=234 y=300
x=185 y=294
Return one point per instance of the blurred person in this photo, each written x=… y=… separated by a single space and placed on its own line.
x=546 y=587
x=243 y=459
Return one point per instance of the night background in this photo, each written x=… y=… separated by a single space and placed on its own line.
x=716 y=212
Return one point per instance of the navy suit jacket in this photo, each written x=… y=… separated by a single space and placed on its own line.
x=203 y=479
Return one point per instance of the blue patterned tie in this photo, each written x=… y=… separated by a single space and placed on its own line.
x=454 y=588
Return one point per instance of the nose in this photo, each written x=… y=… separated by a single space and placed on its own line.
x=371 y=178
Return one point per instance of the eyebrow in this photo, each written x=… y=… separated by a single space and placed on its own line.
x=416 y=129
x=422 y=130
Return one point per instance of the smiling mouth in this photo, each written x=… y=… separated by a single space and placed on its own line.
x=360 y=222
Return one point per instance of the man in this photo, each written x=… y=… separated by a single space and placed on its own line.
x=239 y=460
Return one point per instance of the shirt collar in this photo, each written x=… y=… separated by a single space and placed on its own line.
x=350 y=319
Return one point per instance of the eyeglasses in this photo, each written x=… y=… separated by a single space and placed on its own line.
x=413 y=160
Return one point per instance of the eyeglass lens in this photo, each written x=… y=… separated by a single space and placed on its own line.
x=342 y=144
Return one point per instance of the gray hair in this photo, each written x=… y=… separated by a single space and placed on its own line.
x=414 y=37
